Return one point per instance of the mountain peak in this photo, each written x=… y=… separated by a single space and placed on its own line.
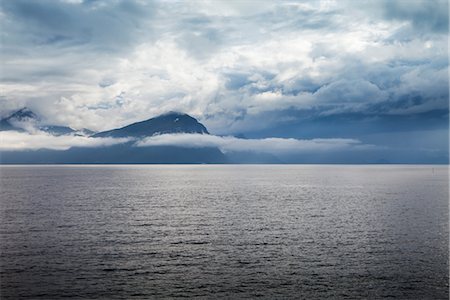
x=25 y=120
x=23 y=114
x=170 y=122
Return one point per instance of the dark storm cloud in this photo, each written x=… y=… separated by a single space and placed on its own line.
x=102 y=25
x=424 y=15
x=368 y=89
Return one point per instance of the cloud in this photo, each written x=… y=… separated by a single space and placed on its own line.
x=266 y=145
x=353 y=91
x=16 y=141
x=34 y=140
x=101 y=26
x=424 y=15
x=238 y=67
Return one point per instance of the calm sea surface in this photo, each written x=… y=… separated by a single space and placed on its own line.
x=211 y=231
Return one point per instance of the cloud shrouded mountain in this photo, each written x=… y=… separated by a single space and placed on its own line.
x=27 y=142
x=26 y=120
x=13 y=121
x=175 y=138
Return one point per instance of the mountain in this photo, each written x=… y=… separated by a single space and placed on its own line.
x=24 y=117
x=57 y=130
x=13 y=121
x=23 y=114
x=125 y=153
x=172 y=122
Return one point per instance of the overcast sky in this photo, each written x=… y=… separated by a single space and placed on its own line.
x=375 y=70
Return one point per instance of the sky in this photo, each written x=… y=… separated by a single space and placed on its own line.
x=374 y=73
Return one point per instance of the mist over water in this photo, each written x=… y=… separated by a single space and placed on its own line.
x=224 y=231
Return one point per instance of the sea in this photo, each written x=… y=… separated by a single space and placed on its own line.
x=224 y=231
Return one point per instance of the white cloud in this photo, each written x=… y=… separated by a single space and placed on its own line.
x=17 y=141
x=266 y=145
x=116 y=62
x=13 y=141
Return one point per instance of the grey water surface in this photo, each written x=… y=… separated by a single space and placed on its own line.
x=224 y=231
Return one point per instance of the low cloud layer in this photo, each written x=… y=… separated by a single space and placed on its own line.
x=241 y=150
x=17 y=141
x=266 y=145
